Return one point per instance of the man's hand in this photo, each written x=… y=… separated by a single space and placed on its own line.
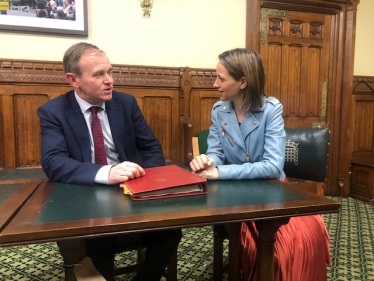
x=124 y=172
x=201 y=162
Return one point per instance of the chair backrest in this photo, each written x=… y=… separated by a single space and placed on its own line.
x=306 y=152
x=199 y=143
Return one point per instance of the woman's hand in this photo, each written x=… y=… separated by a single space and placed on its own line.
x=124 y=172
x=209 y=174
x=201 y=162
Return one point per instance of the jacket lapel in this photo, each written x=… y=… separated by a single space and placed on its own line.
x=78 y=126
x=116 y=122
x=231 y=125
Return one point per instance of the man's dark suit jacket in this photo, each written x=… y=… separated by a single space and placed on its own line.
x=65 y=139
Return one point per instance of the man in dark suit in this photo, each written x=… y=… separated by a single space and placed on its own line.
x=68 y=148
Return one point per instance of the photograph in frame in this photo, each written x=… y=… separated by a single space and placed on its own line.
x=59 y=17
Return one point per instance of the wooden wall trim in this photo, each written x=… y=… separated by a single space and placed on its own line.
x=45 y=72
x=363 y=85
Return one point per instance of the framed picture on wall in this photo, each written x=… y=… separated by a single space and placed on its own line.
x=58 y=17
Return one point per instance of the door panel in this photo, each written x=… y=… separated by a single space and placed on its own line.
x=295 y=53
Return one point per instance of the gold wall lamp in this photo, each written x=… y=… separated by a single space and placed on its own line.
x=147 y=7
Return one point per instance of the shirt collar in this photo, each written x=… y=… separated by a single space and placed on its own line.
x=84 y=106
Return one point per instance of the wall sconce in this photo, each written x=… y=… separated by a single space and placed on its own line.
x=147 y=7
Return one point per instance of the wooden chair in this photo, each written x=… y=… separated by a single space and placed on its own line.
x=306 y=153
x=199 y=143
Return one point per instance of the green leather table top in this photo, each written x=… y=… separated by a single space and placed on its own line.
x=74 y=202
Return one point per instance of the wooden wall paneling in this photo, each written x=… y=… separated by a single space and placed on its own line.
x=203 y=96
x=22 y=139
x=363 y=128
x=202 y=102
x=157 y=92
x=161 y=110
x=199 y=97
x=27 y=148
x=26 y=84
x=8 y=132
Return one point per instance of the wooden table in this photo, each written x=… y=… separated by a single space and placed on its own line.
x=42 y=211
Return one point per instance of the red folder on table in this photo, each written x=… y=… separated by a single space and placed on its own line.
x=164 y=182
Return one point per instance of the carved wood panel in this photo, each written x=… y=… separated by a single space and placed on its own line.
x=295 y=52
x=363 y=140
x=21 y=146
x=202 y=102
x=161 y=110
x=27 y=135
x=362 y=127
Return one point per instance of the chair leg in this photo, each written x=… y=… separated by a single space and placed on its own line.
x=140 y=255
x=171 y=273
x=319 y=188
x=72 y=252
x=217 y=257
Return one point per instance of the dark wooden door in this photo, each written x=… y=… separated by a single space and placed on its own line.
x=295 y=52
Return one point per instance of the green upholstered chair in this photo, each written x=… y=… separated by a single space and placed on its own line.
x=306 y=156
x=306 y=153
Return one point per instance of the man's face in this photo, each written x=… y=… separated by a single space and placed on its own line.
x=95 y=85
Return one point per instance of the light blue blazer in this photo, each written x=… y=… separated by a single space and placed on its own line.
x=253 y=150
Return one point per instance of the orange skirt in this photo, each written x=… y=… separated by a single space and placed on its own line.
x=301 y=250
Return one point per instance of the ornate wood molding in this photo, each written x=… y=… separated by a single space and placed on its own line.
x=44 y=72
x=203 y=78
x=363 y=85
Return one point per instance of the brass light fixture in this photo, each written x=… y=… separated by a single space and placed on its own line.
x=147 y=7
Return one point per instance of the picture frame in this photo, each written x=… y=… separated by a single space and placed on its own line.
x=28 y=19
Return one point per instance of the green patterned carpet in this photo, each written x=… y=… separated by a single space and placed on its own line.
x=352 y=251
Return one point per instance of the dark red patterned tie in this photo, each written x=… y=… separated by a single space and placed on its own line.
x=98 y=138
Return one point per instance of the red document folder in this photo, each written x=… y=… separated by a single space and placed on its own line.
x=165 y=182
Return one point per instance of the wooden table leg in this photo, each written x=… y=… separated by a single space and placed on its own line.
x=234 y=250
x=265 y=257
x=72 y=252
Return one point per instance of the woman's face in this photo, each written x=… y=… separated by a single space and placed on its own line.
x=228 y=88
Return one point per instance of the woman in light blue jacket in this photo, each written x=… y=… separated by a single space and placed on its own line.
x=252 y=148
x=247 y=137
x=247 y=141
